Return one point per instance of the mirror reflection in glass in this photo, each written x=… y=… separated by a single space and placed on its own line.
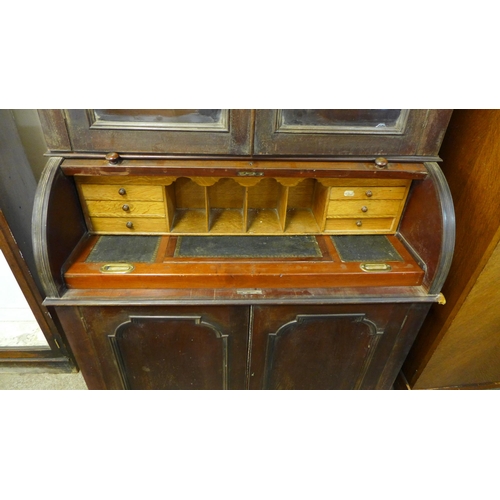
x=160 y=119
x=338 y=120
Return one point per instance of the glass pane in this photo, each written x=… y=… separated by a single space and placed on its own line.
x=18 y=325
x=342 y=118
x=159 y=118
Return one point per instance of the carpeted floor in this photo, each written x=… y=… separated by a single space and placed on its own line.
x=42 y=381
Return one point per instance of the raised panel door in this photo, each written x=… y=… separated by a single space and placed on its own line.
x=168 y=347
x=329 y=347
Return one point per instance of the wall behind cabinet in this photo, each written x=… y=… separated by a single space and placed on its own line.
x=31 y=135
x=459 y=343
x=17 y=185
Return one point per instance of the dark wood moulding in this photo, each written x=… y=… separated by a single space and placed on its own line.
x=235 y=168
x=244 y=296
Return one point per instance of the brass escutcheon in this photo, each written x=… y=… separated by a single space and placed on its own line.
x=250 y=174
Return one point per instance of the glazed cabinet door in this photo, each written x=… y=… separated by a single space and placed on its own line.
x=330 y=347
x=160 y=348
x=347 y=132
x=162 y=131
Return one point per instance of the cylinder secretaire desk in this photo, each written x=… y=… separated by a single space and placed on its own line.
x=242 y=249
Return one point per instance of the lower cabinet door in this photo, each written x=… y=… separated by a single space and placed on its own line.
x=242 y=347
x=169 y=347
x=328 y=347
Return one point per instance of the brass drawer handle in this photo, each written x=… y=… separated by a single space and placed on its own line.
x=122 y=192
x=129 y=224
x=375 y=268
x=364 y=209
x=126 y=208
x=369 y=194
x=117 y=268
x=359 y=223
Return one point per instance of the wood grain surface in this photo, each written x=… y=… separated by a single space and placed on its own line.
x=471 y=155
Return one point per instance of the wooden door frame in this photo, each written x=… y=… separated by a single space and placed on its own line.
x=54 y=358
x=71 y=130
x=421 y=138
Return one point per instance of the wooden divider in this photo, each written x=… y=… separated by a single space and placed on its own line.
x=242 y=205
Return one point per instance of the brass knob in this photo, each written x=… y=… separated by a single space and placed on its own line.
x=359 y=223
x=364 y=209
x=113 y=158
x=126 y=208
x=381 y=162
x=129 y=224
x=122 y=192
x=369 y=194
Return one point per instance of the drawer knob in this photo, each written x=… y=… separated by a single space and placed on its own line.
x=129 y=224
x=126 y=208
x=359 y=223
x=364 y=209
x=113 y=158
x=369 y=194
x=381 y=162
x=122 y=192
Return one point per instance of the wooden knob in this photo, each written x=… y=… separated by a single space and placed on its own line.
x=364 y=209
x=129 y=224
x=122 y=191
x=381 y=162
x=126 y=208
x=113 y=158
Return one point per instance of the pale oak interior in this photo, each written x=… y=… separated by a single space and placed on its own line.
x=252 y=206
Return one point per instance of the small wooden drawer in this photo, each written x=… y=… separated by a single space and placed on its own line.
x=128 y=209
x=385 y=225
x=119 y=225
x=121 y=192
x=368 y=193
x=364 y=208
